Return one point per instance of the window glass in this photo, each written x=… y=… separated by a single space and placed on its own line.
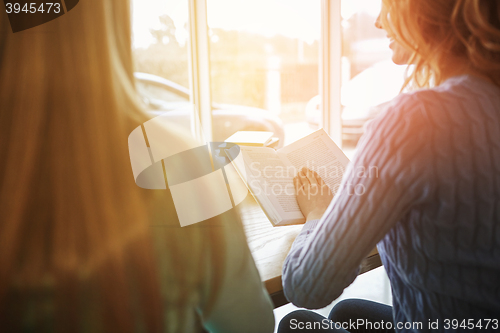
x=369 y=78
x=264 y=57
x=161 y=93
x=160 y=48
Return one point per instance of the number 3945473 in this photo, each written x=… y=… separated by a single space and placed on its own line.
x=32 y=8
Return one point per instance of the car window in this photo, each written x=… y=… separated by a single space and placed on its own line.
x=156 y=93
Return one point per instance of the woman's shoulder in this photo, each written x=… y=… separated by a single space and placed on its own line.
x=461 y=114
x=398 y=118
x=462 y=90
x=408 y=123
x=454 y=102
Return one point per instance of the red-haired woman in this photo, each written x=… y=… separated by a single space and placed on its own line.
x=433 y=207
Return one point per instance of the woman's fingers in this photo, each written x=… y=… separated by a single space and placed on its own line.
x=303 y=177
x=320 y=180
x=321 y=183
x=311 y=178
x=307 y=177
x=297 y=184
x=313 y=196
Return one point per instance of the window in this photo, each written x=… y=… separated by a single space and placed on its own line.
x=266 y=60
x=160 y=47
x=369 y=78
x=161 y=93
x=160 y=38
x=265 y=55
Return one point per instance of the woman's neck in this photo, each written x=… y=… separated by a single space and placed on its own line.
x=454 y=66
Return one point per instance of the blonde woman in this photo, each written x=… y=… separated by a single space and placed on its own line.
x=82 y=248
x=433 y=207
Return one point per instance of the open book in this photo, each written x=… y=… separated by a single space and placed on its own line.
x=269 y=174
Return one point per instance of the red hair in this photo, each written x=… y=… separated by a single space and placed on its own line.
x=437 y=30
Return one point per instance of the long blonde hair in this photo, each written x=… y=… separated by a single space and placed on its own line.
x=437 y=30
x=71 y=217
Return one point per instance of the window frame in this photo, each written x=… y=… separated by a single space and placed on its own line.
x=330 y=69
x=199 y=71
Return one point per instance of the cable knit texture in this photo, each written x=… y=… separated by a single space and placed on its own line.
x=424 y=185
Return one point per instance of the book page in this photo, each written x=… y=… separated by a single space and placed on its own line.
x=318 y=152
x=271 y=177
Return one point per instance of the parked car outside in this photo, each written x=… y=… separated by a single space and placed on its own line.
x=165 y=97
x=362 y=98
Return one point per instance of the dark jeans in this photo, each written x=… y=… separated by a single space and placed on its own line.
x=351 y=315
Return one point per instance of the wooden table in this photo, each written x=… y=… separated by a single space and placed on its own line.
x=270 y=245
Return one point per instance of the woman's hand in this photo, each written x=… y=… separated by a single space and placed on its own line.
x=313 y=195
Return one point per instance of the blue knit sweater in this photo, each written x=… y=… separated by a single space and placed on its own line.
x=432 y=203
